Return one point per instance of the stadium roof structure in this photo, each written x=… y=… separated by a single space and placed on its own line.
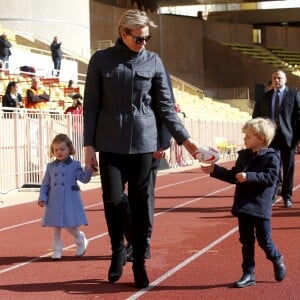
x=280 y=16
x=199 y=2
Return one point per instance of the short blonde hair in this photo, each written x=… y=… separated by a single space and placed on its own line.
x=261 y=127
x=134 y=19
x=62 y=138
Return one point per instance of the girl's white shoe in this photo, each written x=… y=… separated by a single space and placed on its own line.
x=56 y=255
x=82 y=246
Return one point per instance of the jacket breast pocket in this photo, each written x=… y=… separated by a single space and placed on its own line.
x=143 y=80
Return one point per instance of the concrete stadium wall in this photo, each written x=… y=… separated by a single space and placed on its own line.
x=191 y=48
x=225 y=67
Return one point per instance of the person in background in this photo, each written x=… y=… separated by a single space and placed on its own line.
x=287 y=122
x=5 y=52
x=56 y=54
x=36 y=97
x=76 y=119
x=60 y=195
x=76 y=107
x=256 y=175
x=126 y=91
x=71 y=83
x=12 y=97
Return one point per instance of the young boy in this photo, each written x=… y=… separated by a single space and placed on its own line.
x=256 y=175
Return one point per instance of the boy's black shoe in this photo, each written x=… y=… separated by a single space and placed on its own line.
x=279 y=268
x=246 y=280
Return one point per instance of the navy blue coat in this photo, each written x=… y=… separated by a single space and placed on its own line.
x=253 y=197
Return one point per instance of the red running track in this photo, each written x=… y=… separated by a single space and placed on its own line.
x=195 y=249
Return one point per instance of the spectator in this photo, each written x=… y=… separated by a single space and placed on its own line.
x=287 y=120
x=255 y=175
x=71 y=83
x=60 y=194
x=5 y=52
x=120 y=110
x=36 y=97
x=12 y=97
x=56 y=55
x=76 y=107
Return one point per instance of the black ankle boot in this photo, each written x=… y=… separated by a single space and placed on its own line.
x=118 y=260
x=279 y=268
x=140 y=275
x=246 y=280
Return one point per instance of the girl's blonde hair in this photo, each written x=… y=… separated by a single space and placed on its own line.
x=261 y=127
x=62 y=138
x=133 y=19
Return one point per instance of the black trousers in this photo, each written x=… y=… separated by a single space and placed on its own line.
x=56 y=65
x=151 y=207
x=115 y=169
x=250 y=226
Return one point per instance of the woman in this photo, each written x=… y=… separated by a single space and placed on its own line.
x=126 y=91
x=12 y=98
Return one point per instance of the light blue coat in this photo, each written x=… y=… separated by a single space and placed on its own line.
x=61 y=193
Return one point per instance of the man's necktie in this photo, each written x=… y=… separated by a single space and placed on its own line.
x=276 y=108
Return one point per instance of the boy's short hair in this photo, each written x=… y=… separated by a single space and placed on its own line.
x=262 y=127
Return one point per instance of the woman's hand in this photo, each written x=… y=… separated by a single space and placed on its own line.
x=190 y=146
x=90 y=158
x=241 y=177
x=159 y=154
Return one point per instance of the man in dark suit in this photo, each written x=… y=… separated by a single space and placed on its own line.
x=287 y=120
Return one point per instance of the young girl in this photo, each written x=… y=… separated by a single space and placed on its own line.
x=60 y=194
x=256 y=175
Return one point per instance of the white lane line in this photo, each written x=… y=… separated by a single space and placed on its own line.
x=157 y=214
x=182 y=265
x=92 y=205
x=19 y=225
x=106 y=233
x=36 y=220
x=193 y=200
x=17 y=266
x=191 y=258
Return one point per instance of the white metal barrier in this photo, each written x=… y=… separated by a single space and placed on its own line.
x=26 y=136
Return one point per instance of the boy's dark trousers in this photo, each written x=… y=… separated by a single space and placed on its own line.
x=249 y=227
